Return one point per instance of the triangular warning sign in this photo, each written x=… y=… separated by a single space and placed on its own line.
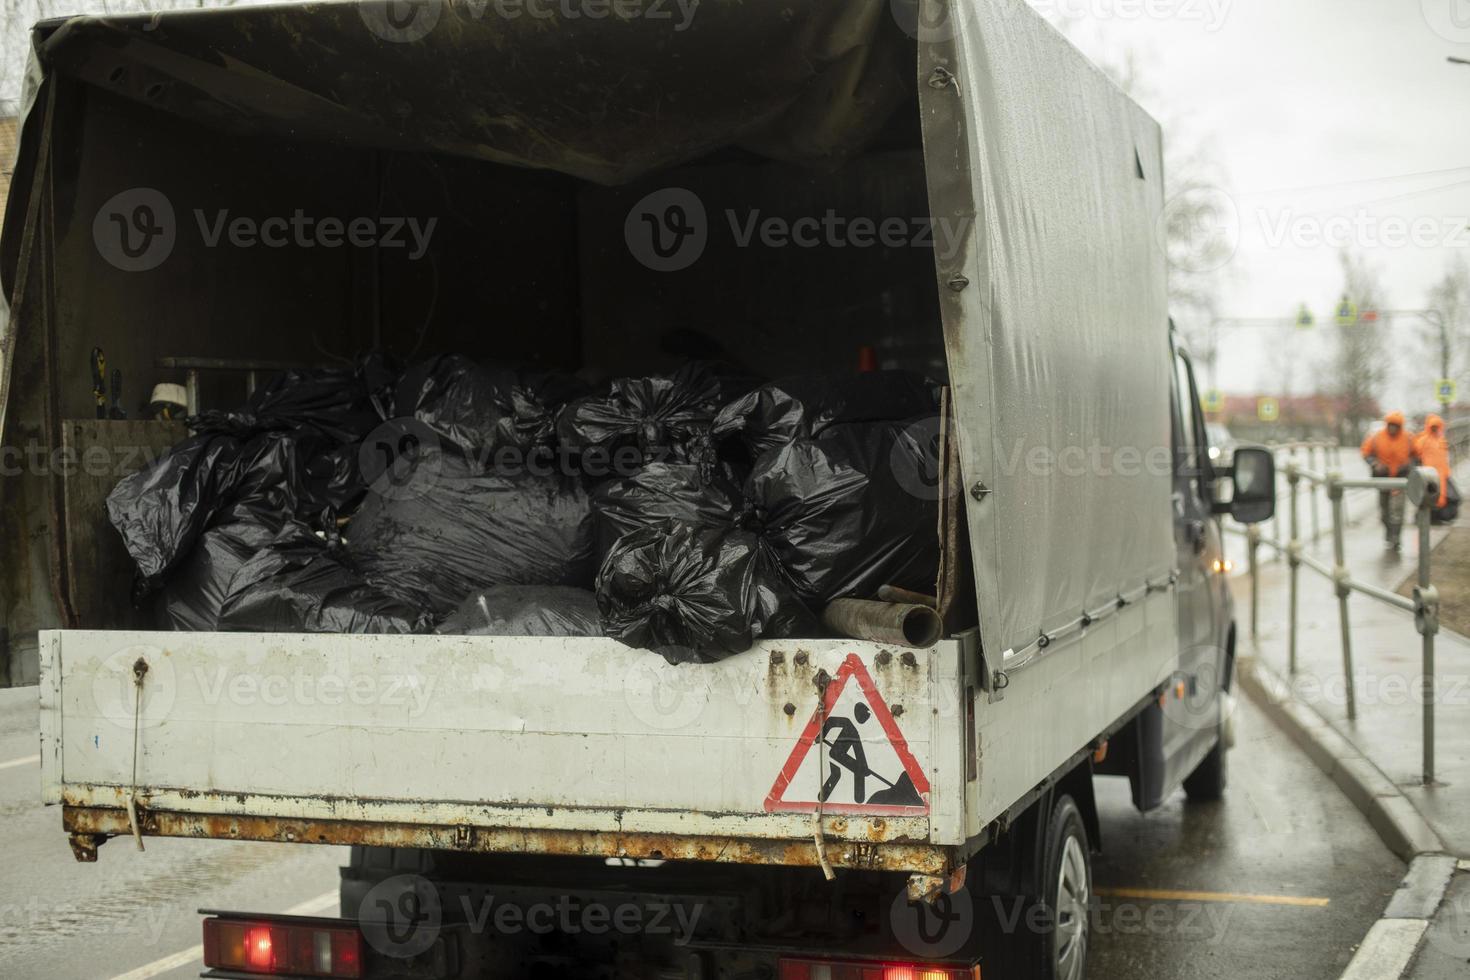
x=861 y=764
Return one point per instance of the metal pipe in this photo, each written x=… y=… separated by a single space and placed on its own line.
x=191 y=386
x=1426 y=618
x=1343 y=586
x=893 y=593
x=1382 y=595
x=902 y=624
x=1294 y=563
x=1253 y=543
x=1316 y=525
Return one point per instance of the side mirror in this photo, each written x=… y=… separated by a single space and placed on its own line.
x=1254 y=477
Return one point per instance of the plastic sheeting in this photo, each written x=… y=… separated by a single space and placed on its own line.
x=641 y=420
x=526 y=610
x=1056 y=322
x=477 y=410
x=444 y=528
x=804 y=406
x=696 y=594
x=660 y=492
x=809 y=82
x=840 y=516
x=301 y=585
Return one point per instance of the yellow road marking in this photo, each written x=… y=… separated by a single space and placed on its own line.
x=1166 y=895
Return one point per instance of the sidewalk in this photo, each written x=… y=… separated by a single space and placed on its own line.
x=1431 y=912
x=1386 y=667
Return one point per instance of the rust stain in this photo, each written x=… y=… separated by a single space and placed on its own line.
x=97 y=823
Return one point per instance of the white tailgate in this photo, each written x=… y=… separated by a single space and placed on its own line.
x=511 y=732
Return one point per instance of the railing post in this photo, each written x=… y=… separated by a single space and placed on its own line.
x=1312 y=463
x=1253 y=545
x=1426 y=618
x=1294 y=562
x=1340 y=581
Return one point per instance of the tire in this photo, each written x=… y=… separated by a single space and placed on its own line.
x=1064 y=876
x=1207 y=783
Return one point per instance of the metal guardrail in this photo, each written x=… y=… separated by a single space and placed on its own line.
x=1422 y=486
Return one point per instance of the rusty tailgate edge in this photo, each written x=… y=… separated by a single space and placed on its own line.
x=91 y=826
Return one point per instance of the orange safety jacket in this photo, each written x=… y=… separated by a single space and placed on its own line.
x=1394 y=452
x=1431 y=448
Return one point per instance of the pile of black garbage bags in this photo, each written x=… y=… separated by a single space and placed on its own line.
x=692 y=513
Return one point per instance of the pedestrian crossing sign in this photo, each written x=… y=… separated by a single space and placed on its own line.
x=1445 y=390
x=1268 y=409
x=1213 y=401
x=1347 y=313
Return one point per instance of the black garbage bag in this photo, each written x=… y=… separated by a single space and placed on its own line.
x=195 y=591
x=661 y=418
x=696 y=594
x=803 y=407
x=162 y=510
x=436 y=532
x=526 y=610
x=300 y=584
x=343 y=404
x=477 y=410
x=658 y=492
x=850 y=510
x=1451 y=509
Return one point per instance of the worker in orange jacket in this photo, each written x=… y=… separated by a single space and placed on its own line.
x=1431 y=448
x=1390 y=452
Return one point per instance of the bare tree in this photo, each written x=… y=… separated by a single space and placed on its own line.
x=1444 y=334
x=1357 y=370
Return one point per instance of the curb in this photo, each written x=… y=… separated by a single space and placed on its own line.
x=1389 y=948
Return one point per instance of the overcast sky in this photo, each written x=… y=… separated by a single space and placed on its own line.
x=1315 y=109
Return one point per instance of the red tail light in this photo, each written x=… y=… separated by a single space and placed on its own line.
x=803 y=969
x=283 y=947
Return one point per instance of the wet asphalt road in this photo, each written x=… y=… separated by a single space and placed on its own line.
x=1293 y=878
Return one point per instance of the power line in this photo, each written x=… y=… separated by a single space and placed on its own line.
x=1360 y=180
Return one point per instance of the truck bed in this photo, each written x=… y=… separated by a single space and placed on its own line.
x=517 y=744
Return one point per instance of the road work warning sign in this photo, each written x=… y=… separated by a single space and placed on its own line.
x=851 y=757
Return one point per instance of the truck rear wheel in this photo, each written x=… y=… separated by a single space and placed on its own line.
x=1068 y=866
x=1046 y=936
